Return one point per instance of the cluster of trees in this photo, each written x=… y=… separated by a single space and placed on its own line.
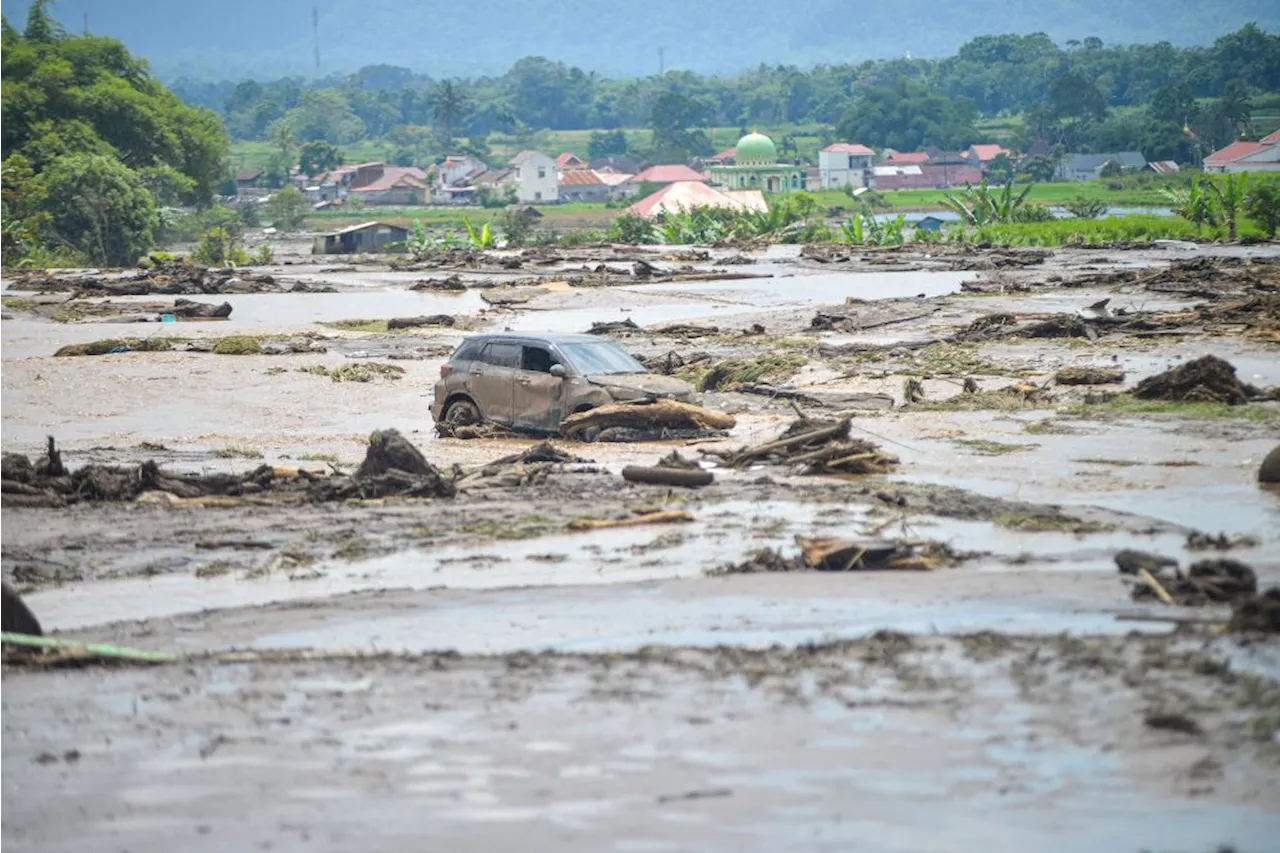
x=1084 y=95
x=94 y=147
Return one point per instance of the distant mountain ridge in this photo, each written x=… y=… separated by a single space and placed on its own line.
x=236 y=39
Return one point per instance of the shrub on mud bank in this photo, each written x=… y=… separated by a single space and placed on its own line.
x=238 y=345
x=109 y=345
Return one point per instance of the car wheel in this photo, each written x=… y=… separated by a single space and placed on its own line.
x=461 y=413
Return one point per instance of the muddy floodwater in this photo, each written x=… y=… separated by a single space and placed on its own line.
x=473 y=670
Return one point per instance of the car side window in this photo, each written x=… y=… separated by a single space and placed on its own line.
x=469 y=351
x=502 y=355
x=538 y=358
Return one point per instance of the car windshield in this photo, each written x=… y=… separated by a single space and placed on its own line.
x=603 y=357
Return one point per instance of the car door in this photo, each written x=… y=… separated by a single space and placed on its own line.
x=492 y=380
x=538 y=401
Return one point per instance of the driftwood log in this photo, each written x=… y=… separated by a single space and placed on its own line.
x=647 y=415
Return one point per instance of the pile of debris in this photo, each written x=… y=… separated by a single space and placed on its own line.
x=1214 y=581
x=833 y=554
x=392 y=468
x=645 y=420
x=857 y=315
x=817 y=447
x=1206 y=380
x=519 y=469
x=165 y=277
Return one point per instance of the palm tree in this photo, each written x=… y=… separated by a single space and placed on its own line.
x=449 y=103
x=1234 y=109
x=980 y=206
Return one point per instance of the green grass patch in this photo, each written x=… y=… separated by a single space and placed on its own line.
x=238 y=451
x=1051 y=523
x=366 y=371
x=770 y=367
x=1004 y=400
x=1113 y=229
x=214 y=569
x=331 y=458
x=1050 y=426
x=983 y=447
x=524 y=527
x=372 y=327
x=1125 y=404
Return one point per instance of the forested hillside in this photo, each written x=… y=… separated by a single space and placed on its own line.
x=93 y=147
x=272 y=39
x=1086 y=96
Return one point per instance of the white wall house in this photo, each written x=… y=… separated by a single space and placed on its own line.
x=537 y=179
x=845 y=164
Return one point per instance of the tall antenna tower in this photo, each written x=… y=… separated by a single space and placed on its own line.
x=315 y=33
x=662 y=65
x=86 y=22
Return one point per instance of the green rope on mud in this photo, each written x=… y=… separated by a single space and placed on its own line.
x=74 y=649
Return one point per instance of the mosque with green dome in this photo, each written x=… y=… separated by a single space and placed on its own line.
x=756 y=167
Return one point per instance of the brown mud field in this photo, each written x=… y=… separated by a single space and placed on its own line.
x=468 y=658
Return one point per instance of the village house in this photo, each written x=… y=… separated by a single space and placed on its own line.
x=457 y=168
x=691 y=195
x=249 y=183
x=619 y=163
x=583 y=185
x=365 y=237
x=569 y=162
x=668 y=174
x=378 y=183
x=1089 y=167
x=619 y=183
x=1261 y=156
x=981 y=156
x=537 y=179
x=845 y=164
x=756 y=167
x=890 y=157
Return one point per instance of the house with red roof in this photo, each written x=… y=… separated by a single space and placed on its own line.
x=378 y=183
x=982 y=155
x=668 y=174
x=905 y=158
x=691 y=195
x=1261 y=156
x=568 y=161
x=845 y=164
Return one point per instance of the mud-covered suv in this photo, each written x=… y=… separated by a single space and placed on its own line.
x=531 y=382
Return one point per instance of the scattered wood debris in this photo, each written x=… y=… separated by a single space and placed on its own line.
x=392 y=467
x=1212 y=581
x=819 y=447
x=842 y=555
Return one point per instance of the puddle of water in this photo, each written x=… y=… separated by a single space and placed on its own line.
x=711 y=300
x=825 y=288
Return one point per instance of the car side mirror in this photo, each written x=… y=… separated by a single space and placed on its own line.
x=558 y=371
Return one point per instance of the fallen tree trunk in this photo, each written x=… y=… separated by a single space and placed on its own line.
x=652 y=415
x=667 y=476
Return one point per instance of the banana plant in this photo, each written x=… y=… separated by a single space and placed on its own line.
x=1230 y=194
x=1193 y=203
x=481 y=238
x=852 y=231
